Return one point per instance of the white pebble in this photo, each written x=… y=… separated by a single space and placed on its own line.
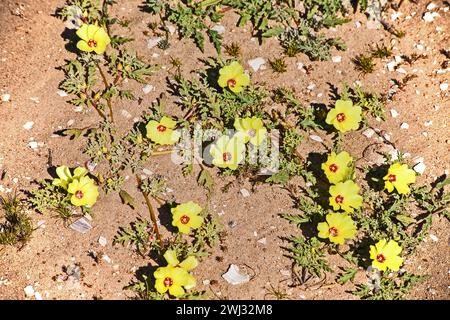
x=33 y=145
x=434 y=238
x=245 y=193
x=171 y=29
x=368 y=132
x=37 y=296
x=29 y=291
x=428 y=123
x=102 y=241
x=153 y=42
x=402 y=71
x=218 y=28
x=311 y=86
x=256 y=63
x=391 y=65
x=6 y=97
x=429 y=16
x=61 y=93
x=336 y=59
x=431 y=6
x=28 y=125
x=394 y=113
x=420 y=168
x=148 y=88
x=125 y=114
x=443 y=86
x=263 y=241
x=70 y=122
x=404 y=125
x=315 y=138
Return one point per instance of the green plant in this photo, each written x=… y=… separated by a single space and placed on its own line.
x=16 y=227
x=278 y=65
x=364 y=63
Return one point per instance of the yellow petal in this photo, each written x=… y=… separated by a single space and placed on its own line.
x=189 y=263
x=171 y=258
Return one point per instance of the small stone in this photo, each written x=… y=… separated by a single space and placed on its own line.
x=358 y=24
x=81 y=226
x=428 y=123
x=218 y=28
x=245 y=193
x=263 y=241
x=37 y=296
x=256 y=63
x=234 y=277
x=402 y=71
x=102 y=241
x=391 y=65
x=28 y=125
x=125 y=114
x=419 y=168
x=33 y=145
x=148 y=88
x=6 y=97
x=404 y=125
x=29 y=291
x=78 y=109
x=61 y=93
x=171 y=29
x=70 y=122
x=431 y=6
x=336 y=59
x=443 y=86
x=315 y=138
x=106 y=258
x=434 y=238
x=311 y=86
x=429 y=16
x=368 y=133
x=153 y=42
x=394 y=113
x=206 y=282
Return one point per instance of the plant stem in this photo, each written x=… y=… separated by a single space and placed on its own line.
x=160 y=153
x=151 y=212
x=94 y=104
x=108 y=101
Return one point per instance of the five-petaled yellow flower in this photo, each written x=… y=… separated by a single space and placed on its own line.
x=252 y=129
x=398 y=177
x=344 y=195
x=186 y=216
x=228 y=152
x=338 y=228
x=385 y=255
x=344 y=116
x=84 y=192
x=173 y=279
x=65 y=176
x=233 y=77
x=187 y=264
x=337 y=166
x=162 y=132
x=93 y=38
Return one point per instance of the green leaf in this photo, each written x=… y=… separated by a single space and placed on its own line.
x=127 y=199
x=206 y=180
x=72 y=133
x=405 y=220
x=273 y=32
x=347 y=275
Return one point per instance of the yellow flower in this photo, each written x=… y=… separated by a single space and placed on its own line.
x=187 y=264
x=228 y=152
x=233 y=77
x=337 y=166
x=84 y=192
x=252 y=129
x=344 y=116
x=186 y=216
x=173 y=279
x=93 y=38
x=339 y=226
x=399 y=176
x=65 y=176
x=162 y=132
x=386 y=255
x=344 y=195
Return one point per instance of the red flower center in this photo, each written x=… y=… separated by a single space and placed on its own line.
x=333 y=232
x=333 y=168
x=231 y=83
x=184 y=219
x=381 y=258
x=392 y=178
x=168 y=282
x=339 y=199
x=161 y=128
x=226 y=156
x=79 y=194
x=92 y=43
x=340 y=117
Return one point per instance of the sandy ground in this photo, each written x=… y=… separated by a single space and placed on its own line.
x=31 y=47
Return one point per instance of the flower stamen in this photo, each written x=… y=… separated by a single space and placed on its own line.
x=333 y=168
x=381 y=258
x=92 y=43
x=339 y=199
x=161 y=128
x=79 y=194
x=392 y=178
x=168 y=282
x=333 y=232
x=226 y=156
x=185 y=219
x=231 y=83
x=340 y=117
